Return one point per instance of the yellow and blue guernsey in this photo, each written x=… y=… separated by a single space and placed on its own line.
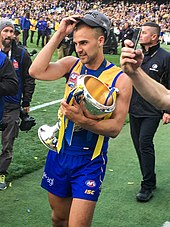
x=83 y=141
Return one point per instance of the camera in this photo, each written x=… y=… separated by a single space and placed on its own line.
x=27 y=122
x=33 y=52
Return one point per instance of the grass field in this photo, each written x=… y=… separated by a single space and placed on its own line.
x=25 y=203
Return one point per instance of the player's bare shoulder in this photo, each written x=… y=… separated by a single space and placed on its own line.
x=124 y=84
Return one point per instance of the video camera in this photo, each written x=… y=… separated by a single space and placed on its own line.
x=27 y=122
x=33 y=52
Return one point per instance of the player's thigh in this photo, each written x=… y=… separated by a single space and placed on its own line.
x=81 y=213
x=60 y=206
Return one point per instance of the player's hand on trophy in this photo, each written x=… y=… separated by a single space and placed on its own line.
x=72 y=112
x=77 y=112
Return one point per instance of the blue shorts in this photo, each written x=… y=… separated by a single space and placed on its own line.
x=80 y=177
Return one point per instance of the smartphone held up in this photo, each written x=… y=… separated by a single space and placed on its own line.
x=136 y=36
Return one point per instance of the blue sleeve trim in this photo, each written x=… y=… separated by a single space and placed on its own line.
x=74 y=66
x=115 y=79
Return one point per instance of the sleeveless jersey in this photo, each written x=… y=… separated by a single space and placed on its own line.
x=83 y=141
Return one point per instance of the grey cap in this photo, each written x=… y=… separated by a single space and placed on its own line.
x=94 y=18
x=5 y=23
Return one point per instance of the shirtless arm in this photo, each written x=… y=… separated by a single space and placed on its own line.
x=41 y=67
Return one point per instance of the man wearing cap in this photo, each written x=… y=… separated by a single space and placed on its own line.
x=12 y=104
x=8 y=79
x=74 y=174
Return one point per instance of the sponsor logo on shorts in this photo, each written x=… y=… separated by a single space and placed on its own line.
x=49 y=180
x=90 y=183
x=89 y=192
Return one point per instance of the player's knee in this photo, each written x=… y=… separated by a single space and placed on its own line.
x=59 y=221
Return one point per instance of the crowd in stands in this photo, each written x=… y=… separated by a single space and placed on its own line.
x=119 y=12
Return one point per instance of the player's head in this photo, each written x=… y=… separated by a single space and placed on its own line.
x=96 y=19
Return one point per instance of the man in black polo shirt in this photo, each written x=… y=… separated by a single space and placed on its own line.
x=145 y=118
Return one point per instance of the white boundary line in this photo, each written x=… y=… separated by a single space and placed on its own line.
x=44 y=105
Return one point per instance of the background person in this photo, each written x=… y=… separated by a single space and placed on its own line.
x=42 y=27
x=8 y=78
x=8 y=86
x=25 y=26
x=12 y=104
x=145 y=118
x=63 y=48
x=33 y=28
x=125 y=33
x=8 y=83
x=72 y=179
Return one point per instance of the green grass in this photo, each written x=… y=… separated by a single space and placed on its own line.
x=25 y=203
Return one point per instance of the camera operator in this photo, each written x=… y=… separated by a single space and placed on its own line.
x=8 y=80
x=12 y=104
x=63 y=48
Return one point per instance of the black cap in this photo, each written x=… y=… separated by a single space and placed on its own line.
x=94 y=18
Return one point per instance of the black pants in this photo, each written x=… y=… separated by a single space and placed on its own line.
x=25 y=36
x=142 y=133
x=11 y=117
x=41 y=35
x=32 y=36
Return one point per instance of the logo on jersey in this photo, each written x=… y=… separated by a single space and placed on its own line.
x=90 y=183
x=72 y=79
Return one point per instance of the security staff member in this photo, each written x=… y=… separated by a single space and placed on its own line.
x=145 y=118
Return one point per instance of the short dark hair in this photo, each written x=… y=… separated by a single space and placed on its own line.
x=99 y=30
x=153 y=25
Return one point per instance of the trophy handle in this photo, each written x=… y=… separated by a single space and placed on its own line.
x=48 y=135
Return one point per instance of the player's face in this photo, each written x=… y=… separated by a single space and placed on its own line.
x=88 y=44
x=7 y=35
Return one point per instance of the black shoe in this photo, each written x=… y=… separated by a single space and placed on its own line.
x=144 y=195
